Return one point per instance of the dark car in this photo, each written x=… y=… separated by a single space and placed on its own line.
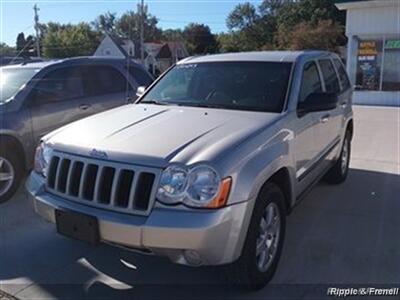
x=36 y=98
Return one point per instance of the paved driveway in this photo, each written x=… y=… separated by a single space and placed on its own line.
x=347 y=234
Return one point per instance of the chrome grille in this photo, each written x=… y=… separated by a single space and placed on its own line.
x=114 y=186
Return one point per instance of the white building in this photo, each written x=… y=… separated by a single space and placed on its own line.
x=158 y=56
x=373 y=50
x=118 y=47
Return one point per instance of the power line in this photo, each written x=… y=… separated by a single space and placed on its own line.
x=186 y=22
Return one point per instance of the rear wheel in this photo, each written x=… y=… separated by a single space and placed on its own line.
x=340 y=169
x=11 y=172
x=263 y=246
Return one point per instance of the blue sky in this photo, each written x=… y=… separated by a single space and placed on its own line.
x=17 y=15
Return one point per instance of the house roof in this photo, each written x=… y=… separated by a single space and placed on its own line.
x=349 y=4
x=174 y=46
x=168 y=49
x=164 y=52
x=120 y=41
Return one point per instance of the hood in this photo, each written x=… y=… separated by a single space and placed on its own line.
x=155 y=135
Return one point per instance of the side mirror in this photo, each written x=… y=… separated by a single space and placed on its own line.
x=140 y=91
x=318 y=102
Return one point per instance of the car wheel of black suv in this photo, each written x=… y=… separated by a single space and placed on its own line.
x=263 y=245
x=340 y=169
x=11 y=171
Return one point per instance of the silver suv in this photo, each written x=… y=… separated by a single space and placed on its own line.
x=206 y=165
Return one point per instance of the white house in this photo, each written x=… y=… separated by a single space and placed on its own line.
x=158 y=56
x=162 y=55
x=151 y=62
x=118 y=47
x=373 y=50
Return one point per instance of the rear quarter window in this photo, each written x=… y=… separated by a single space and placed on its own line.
x=329 y=74
x=344 y=80
x=141 y=77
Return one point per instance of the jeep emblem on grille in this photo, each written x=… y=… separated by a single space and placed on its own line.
x=98 y=154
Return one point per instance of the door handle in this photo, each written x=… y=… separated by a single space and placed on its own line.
x=84 y=106
x=343 y=104
x=324 y=118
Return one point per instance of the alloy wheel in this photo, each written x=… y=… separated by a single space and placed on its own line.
x=7 y=175
x=345 y=156
x=268 y=238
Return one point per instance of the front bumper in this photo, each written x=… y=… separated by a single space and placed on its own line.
x=190 y=237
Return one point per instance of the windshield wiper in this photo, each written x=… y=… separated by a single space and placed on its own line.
x=154 y=102
x=203 y=105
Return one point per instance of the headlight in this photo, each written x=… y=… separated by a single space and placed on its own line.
x=203 y=185
x=42 y=158
x=173 y=184
x=198 y=187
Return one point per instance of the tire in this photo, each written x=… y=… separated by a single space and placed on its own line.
x=10 y=164
x=246 y=271
x=338 y=173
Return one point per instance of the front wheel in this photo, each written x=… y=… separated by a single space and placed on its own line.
x=263 y=245
x=11 y=171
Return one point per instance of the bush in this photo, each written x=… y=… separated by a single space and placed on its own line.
x=326 y=35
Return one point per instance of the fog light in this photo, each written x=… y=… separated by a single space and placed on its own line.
x=192 y=257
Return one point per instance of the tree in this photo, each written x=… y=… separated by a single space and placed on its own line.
x=6 y=50
x=69 y=40
x=272 y=7
x=21 y=44
x=243 y=16
x=231 y=42
x=199 y=39
x=172 y=35
x=254 y=27
x=25 y=46
x=320 y=17
x=326 y=35
x=269 y=25
x=310 y=11
x=128 y=26
x=105 y=23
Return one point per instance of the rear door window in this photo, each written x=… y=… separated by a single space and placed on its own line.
x=103 y=80
x=329 y=74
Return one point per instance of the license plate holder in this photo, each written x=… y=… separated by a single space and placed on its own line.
x=77 y=226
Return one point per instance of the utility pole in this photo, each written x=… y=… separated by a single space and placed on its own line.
x=142 y=12
x=36 y=9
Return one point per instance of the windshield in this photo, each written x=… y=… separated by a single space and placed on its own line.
x=258 y=86
x=12 y=79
